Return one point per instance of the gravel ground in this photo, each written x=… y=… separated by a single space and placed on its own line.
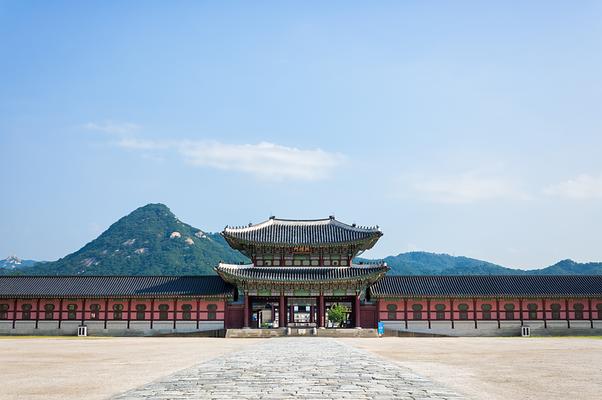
x=97 y=368
x=501 y=368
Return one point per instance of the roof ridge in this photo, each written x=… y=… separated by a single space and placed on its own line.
x=300 y=222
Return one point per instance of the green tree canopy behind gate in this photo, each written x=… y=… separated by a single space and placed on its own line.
x=337 y=314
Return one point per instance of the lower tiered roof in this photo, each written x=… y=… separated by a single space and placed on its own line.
x=250 y=273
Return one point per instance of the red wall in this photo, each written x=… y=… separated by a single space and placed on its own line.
x=198 y=308
x=455 y=313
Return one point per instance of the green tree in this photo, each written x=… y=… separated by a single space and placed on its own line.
x=337 y=314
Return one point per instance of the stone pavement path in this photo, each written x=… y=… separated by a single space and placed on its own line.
x=302 y=368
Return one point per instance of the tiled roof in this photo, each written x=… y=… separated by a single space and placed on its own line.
x=302 y=232
x=113 y=286
x=494 y=286
x=300 y=274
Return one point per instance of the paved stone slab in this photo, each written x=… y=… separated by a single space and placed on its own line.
x=302 y=368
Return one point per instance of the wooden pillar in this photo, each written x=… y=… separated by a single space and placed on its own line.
x=107 y=314
x=566 y=313
x=356 y=313
x=589 y=312
x=38 y=312
x=497 y=312
x=225 y=302
x=520 y=310
x=246 y=310
x=405 y=312
x=311 y=314
x=129 y=312
x=60 y=312
x=198 y=312
x=291 y=316
x=175 y=312
x=84 y=312
x=14 y=313
x=545 y=313
x=152 y=318
x=282 y=311
x=474 y=313
x=428 y=312
x=322 y=311
x=452 y=313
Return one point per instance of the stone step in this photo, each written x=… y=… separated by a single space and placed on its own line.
x=278 y=332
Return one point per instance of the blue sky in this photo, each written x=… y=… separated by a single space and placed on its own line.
x=469 y=128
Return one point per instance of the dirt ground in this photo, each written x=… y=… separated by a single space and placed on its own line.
x=96 y=368
x=501 y=368
x=482 y=368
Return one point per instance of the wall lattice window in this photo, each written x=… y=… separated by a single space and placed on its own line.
x=117 y=311
x=3 y=311
x=463 y=314
x=440 y=311
x=186 y=312
x=211 y=314
x=163 y=311
x=72 y=311
x=509 y=311
x=486 y=308
x=578 y=310
x=141 y=312
x=49 y=311
x=417 y=311
x=94 y=311
x=26 y=311
x=391 y=311
x=555 y=311
x=532 y=307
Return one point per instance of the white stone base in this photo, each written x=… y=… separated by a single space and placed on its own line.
x=490 y=328
x=114 y=328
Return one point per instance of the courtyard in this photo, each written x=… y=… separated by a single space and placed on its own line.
x=417 y=368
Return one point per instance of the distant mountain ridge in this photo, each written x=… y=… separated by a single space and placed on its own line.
x=152 y=241
x=14 y=262
x=424 y=263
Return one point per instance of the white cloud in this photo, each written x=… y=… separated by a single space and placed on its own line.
x=263 y=160
x=583 y=187
x=143 y=144
x=469 y=187
x=112 y=127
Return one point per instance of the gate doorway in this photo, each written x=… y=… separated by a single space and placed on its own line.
x=302 y=312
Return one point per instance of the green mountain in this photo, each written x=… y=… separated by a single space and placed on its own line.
x=423 y=263
x=148 y=241
x=570 y=267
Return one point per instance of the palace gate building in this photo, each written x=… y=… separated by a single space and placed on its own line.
x=299 y=269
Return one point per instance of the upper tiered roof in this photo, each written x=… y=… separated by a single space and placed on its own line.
x=289 y=232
